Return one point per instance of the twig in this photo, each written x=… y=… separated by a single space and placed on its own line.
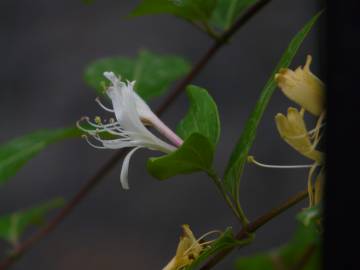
x=253 y=226
x=224 y=38
x=106 y=168
x=65 y=211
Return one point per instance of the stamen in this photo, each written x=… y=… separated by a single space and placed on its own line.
x=200 y=244
x=79 y=126
x=319 y=124
x=103 y=106
x=312 y=133
x=207 y=234
x=112 y=131
x=251 y=159
x=98 y=128
x=115 y=124
x=207 y=242
x=316 y=141
x=202 y=237
x=91 y=144
x=316 y=128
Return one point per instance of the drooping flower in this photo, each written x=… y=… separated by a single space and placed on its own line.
x=132 y=113
x=293 y=130
x=303 y=87
x=188 y=250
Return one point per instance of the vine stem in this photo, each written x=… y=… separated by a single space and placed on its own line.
x=223 y=39
x=216 y=179
x=110 y=164
x=255 y=225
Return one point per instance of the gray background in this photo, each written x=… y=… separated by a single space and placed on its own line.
x=44 y=48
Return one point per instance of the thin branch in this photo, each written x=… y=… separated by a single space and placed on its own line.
x=65 y=211
x=223 y=39
x=110 y=164
x=253 y=226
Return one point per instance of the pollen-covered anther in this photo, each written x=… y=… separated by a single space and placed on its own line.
x=97 y=120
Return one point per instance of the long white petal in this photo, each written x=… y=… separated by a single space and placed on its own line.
x=117 y=144
x=125 y=169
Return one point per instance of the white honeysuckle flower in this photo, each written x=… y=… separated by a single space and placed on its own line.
x=131 y=113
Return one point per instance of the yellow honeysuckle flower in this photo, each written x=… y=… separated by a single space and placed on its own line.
x=303 y=87
x=189 y=249
x=293 y=130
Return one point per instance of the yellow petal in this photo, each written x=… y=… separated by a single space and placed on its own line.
x=171 y=265
x=303 y=87
x=293 y=130
x=195 y=246
x=187 y=251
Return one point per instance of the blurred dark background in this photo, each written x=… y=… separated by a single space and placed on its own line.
x=44 y=49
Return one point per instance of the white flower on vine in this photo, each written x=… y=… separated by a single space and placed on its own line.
x=128 y=129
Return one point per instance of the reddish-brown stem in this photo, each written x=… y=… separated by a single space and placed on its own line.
x=256 y=224
x=106 y=168
x=65 y=211
x=224 y=38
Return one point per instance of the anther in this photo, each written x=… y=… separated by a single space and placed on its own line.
x=97 y=119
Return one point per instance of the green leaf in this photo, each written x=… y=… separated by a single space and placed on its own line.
x=14 y=154
x=287 y=256
x=305 y=237
x=239 y=155
x=195 y=154
x=191 y=10
x=227 y=11
x=202 y=117
x=225 y=241
x=12 y=226
x=153 y=73
x=310 y=215
x=256 y=262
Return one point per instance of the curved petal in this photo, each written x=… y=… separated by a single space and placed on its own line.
x=125 y=169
